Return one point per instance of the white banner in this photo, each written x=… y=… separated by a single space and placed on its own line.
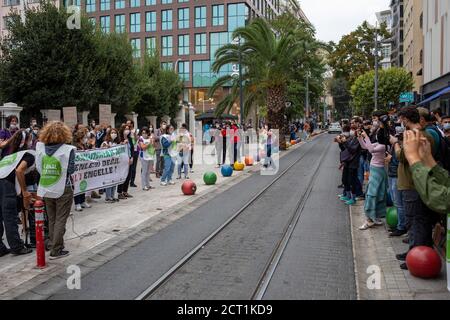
x=100 y=168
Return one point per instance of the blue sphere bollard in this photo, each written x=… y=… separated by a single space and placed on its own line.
x=226 y=170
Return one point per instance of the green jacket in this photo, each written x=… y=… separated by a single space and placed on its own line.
x=433 y=186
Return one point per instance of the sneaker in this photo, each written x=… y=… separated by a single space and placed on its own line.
x=378 y=222
x=85 y=205
x=78 y=207
x=401 y=257
x=341 y=186
x=406 y=240
x=350 y=202
x=404 y=266
x=22 y=251
x=345 y=199
x=146 y=188
x=115 y=200
x=122 y=196
x=4 y=252
x=397 y=233
x=179 y=177
x=186 y=178
x=218 y=166
x=367 y=225
x=133 y=185
x=109 y=200
x=171 y=183
x=192 y=171
x=61 y=254
x=163 y=184
x=127 y=195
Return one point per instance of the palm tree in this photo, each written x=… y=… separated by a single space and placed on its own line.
x=267 y=59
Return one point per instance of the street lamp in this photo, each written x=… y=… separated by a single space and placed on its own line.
x=237 y=41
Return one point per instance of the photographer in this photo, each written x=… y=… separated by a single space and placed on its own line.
x=419 y=218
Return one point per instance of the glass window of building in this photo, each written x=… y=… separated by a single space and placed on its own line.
x=90 y=5
x=120 y=23
x=200 y=17
x=200 y=43
x=183 y=18
x=166 y=1
x=183 y=44
x=120 y=4
x=166 y=20
x=135 y=3
x=181 y=1
x=167 y=46
x=217 y=40
x=237 y=16
x=105 y=24
x=150 y=45
x=201 y=73
x=104 y=5
x=167 y=65
x=150 y=2
x=183 y=70
x=150 y=21
x=135 y=22
x=218 y=15
x=136 y=46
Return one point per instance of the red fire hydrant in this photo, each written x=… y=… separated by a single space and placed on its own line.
x=39 y=224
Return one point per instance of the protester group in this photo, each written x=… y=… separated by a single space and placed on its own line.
x=401 y=157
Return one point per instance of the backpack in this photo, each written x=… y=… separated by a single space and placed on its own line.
x=443 y=154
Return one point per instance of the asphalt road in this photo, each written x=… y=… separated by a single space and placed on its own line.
x=249 y=241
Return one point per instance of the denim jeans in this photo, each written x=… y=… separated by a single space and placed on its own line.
x=169 y=166
x=110 y=192
x=183 y=163
x=397 y=198
x=361 y=170
x=8 y=216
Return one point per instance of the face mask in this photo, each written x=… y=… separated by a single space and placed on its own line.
x=346 y=134
x=126 y=133
x=375 y=123
x=446 y=126
x=352 y=133
x=113 y=136
x=35 y=132
x=145 y=136
x=13 y=126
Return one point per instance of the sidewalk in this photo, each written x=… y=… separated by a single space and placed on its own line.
x=373 y=247
x=107 y=230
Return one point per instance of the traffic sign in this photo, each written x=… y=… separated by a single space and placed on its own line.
x=406 y=97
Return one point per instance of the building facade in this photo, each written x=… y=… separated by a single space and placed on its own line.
x=397 y=33
x=186 y=33
x=386 y=48
x=413 y=42
x=436 y=31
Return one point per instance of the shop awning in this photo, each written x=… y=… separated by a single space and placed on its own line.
x=435 y=96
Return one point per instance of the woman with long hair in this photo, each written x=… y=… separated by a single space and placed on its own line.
x=147 y=154
x=125 y=139
x=112 y=139
x=13 y=171
x=81 y=142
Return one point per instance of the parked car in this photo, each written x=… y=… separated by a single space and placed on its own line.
x=335 y=128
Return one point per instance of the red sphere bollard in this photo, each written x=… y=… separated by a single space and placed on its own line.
x=39 y=225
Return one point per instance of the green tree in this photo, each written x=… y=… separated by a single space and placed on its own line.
x=46 y=65
x=269 y=52
x=392 y=82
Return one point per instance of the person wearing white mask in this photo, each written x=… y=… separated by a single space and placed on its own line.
x=147 y=155
x=12 y=125
x=111 y=140
x=445 y=122
x=125 y=138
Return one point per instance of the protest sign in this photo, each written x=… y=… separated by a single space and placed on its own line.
x=104 y=112
x=53 y=115
x=70 y=116
x=100 y=168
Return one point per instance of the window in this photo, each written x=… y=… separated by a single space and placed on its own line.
x=136 y=46
x=150 y=2
x=237 y=16
x=120 y=23
x=183 y=70
x=104 y=5
x=183 y=44
x=150 y=45
x=200 y=43
x=120 y=4
x=167 y=65
x=217 y=40
x=135 y=3
x=180 y=1
x=90 y=5
x=200 y=17
x=135 y=22
x=150 y=21
x=201 y=73
x=166 y=20
x=166 y=1
x=183 y=18
x=167 y=46
x=105 y=24
x=218 y=18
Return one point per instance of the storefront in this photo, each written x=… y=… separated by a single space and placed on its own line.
x=436 y=94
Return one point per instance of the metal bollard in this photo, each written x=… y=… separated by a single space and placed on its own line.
x=39 y=226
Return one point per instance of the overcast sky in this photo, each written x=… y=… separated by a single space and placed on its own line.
x=334 y=18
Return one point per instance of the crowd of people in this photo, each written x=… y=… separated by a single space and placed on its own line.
x=405 y=159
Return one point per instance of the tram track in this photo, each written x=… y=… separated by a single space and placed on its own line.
x=280 y=246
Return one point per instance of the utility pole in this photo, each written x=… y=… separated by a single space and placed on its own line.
x=376 y=68
x=307 y=96
x=241 y=93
